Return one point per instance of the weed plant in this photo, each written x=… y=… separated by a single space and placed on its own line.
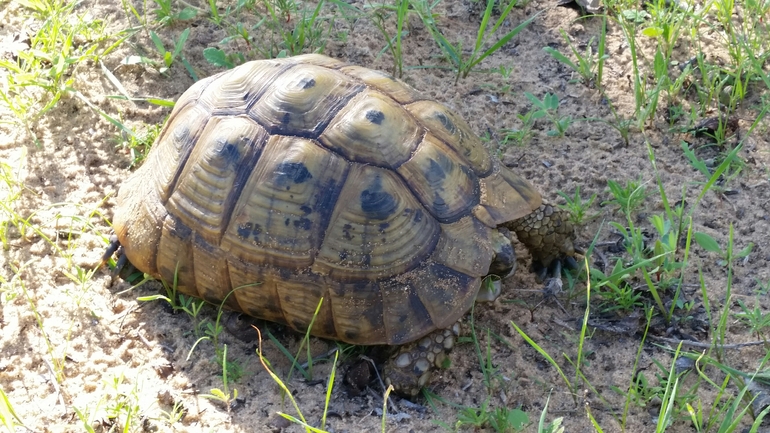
x=45 y=69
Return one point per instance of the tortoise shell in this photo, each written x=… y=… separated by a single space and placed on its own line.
x=290 y=180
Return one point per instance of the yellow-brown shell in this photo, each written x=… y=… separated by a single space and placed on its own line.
x=293 y=179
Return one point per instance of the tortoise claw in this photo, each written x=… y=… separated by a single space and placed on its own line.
x=112 y=247
x=553 y=270
x=570 y=263
x=122 y=265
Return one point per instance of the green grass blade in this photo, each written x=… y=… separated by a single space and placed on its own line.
x=556 y=54
x=8 y=416
x=505 y=39
x=329 y=388
x=288 y=355
x=546 y=356
x=180 y=43
x=483 y=26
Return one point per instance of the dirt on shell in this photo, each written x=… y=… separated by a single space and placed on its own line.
x=76 y=347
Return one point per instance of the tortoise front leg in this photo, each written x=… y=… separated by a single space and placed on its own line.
x=549 y=236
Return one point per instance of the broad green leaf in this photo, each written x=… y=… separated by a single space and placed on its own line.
x=652 y=32
x=217 y=57
x=707 y=242
x=187 y=13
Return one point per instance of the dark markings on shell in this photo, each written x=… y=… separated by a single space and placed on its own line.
x=375 y=116
x=474 y=199
x=249 y=230
x=447 y=273
x=243 y=166
x=439 y=205
x=332 y=107
x=445 y=122
x=519 y=184
x=286 y=274
x=228 y=153
x=178 y=229
x=383 y=226
x=325 y=200
x=307 y=83
x=295 y=172
x=306 y=209
x=351 y=335
x=303 y=223
x=435 y=174
x=244 y=230
x=418 y=216
x=200 y=242
x=416 y=310
x=376 y=203
x=346 y=229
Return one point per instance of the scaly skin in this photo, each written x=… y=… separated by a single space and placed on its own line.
x=411 y=367
x=548 y=234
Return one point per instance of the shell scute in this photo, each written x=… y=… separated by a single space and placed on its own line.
x=373 y=129
x=232 y=92
x=373 y=232
x=303 y=100
x=214 y=174
x=455 y=132
x=441 y=180
x=285 y=204
x=383 y=82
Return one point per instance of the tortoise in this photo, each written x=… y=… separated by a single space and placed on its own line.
x=285 y=181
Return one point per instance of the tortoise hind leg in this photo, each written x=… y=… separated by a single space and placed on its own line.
x=410 y=369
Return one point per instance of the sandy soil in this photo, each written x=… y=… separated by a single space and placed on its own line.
x=72 y=344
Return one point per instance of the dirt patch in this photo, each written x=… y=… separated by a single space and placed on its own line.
x=80 y=342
